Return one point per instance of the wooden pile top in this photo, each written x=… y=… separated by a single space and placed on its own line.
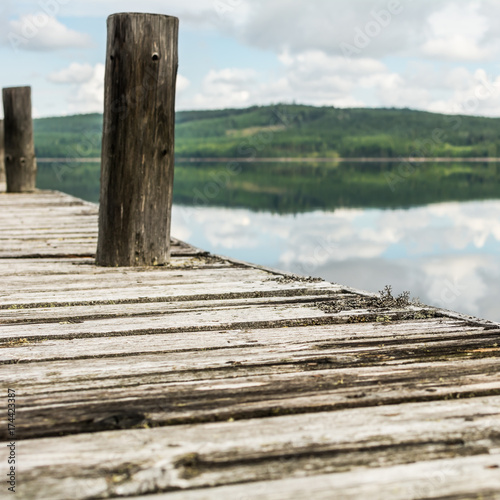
x=214 y=379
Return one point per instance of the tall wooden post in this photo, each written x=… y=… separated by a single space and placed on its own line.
x=137 y=166
x=2 y=154
x=20 y=162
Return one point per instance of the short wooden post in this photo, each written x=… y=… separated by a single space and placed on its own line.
x=137 y=167
x=2 y=155
x=20 y=162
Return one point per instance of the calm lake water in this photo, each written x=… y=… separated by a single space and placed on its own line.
x=434 y=231
x=446 y=254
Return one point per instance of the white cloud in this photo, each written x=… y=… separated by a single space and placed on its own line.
x=478 y=95
x=316 y=78
x=455 y=30
x=455 y=48
x=301 y=25
x=311 y=78
x=425 y=27
x=457 y=33
x=89 y=95
x=40 y=32
x=226 y=88
x=361 y=234
x=182 y=83
x=461 y=31
x=75 y=73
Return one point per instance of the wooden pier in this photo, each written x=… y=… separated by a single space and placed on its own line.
x=213 y=379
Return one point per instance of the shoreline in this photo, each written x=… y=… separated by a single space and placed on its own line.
x=296 y=160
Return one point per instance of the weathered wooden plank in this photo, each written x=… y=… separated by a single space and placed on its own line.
x=124 y=463
x=63 y=223
x=61 y=250
x=69 y=252
x=176 y=321
x=33 y=211
x=39 y=231
x=28 y=229
x=236 y=357
x=60 y=210
x=39 y=234
x=74 y=218
x=402 y=335
x=320 y=376
x=32 y=245
x=451 y=479
x=47 y=379
x=119 y=277
x=71 y=219
x=40 y=196
x=196 y=290
x=239 y=354
x=76 y=314
x=177 y=318
x=82 y=228
x=265 y=392
x=64 y=250
x=48 y=268
x=54 y=312
x=89 y=410
x=62 y=215
x=164 y=279
x=266 y=348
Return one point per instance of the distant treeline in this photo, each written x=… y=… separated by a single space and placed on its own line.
x=293 y=131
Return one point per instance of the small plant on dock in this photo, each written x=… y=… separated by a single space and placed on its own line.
x=388 y=300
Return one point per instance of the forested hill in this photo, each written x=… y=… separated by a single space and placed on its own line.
x=293 y=131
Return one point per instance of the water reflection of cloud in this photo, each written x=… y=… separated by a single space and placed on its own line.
x=447 y=254
x=468 y=284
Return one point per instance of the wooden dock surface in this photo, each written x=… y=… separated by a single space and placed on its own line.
x=213 y=379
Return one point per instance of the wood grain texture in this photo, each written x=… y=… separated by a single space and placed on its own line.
x=451 y=479
x=137 y=168
x=177 y=397
x=20 y=162
x=361 y=440
x=212 y=378
x=173 y=286
x=315 y=337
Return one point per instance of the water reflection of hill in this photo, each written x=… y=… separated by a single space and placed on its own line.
x=292 y=188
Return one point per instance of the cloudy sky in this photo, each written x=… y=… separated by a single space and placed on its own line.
x=441 y=56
